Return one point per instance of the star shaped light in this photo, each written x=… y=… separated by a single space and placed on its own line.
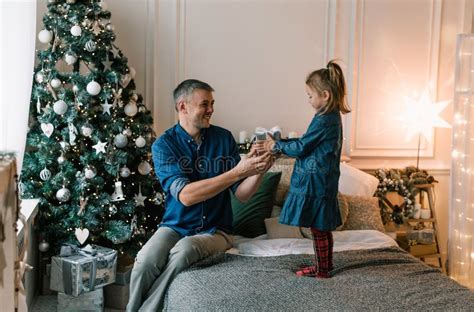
x=139 y=198
x=106 y=107
x=421 y=115
x=99 y=147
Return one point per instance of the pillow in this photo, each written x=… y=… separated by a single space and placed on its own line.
x=276 y=210
x=364 y=214
x=285 y=166
x=343 y=210
x=277 y=230
x=356 y=182
x=248 y=218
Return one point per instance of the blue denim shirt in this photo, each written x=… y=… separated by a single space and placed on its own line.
x=179 y=160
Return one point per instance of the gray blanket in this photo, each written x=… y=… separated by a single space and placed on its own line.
x=386 y=279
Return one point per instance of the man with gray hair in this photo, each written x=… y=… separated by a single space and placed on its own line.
x=197 y=164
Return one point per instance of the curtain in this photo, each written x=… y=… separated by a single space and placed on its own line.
x=17 y=55
x=461 y=214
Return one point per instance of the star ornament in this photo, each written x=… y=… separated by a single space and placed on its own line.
x=139 y=198
x=99 y=147
x=106 y=107
x=420 y=116
x=107 y=63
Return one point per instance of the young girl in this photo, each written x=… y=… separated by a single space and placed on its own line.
x=312 y=199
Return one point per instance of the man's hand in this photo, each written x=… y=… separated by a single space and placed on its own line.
x=253 y=164
x=265 y=146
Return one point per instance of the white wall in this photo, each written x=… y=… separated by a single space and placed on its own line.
x=256 y=54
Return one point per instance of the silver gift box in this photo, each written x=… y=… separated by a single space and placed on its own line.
x=83 y=271
x=91 y=301
x=425 y=236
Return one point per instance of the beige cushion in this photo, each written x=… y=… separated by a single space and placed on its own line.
x=364 y=214
x=277 y=230
x=285 y=165
x=343 y=210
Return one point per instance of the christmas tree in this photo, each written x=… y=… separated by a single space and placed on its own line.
x=88 y=146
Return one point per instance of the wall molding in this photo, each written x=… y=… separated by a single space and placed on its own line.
x=357 y=38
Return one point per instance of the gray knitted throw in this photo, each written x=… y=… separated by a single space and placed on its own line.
x=387 y=279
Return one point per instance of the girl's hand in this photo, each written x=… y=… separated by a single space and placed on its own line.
x=269 y=143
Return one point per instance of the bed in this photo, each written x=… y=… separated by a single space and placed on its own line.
x=371 y=273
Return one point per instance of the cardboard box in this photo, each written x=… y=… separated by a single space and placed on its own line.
x=422 y=250
x=91 y=302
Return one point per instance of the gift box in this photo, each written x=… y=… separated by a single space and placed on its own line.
x=116 y=296
x=422 y=250
x=425 y=236
x=76 y=271
x=91 y=302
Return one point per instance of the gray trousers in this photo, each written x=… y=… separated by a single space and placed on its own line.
x=162 y=258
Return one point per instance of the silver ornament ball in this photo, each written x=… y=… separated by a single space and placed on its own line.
x=45 y=174
x=45 y=36
x=60 y=107
x=61 y=159
x=90 y=46
x=113 y=209
x=76 y=30
x=93 y=88
x=124 y=172
x=140 y=142
x=144 y=168
x=63 y=195
x=70 y=58
x=90 y=172
x=55 y=83
x=39 y=77
x=86 y=130
x=120 y=140
x=43 y=246
x=131 y=109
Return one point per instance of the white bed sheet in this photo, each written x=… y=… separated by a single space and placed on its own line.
x=343 y=240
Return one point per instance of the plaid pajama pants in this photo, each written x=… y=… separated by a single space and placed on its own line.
x=323 y=245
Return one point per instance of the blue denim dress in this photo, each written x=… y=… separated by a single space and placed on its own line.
x=312 y=198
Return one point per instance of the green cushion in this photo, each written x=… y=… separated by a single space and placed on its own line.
x=249 y=217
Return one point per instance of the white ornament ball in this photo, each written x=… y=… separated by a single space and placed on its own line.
x=70 y=58
x=45 y=36
x=142 y=109
x=120 y=140
x=144 y=168
x=90 y=172
x=76 y=30
x=86 y=130
x=93 y=88
x=61 y=159
x=130 y=109
x=45 y=174
x=124 y=172
x=132 y=72
x=127 y=132
x=55 y=83
x=63 y=195
x=70 y=1
x=60 y=107
x=90 y=46
x=140 y=142
x=109 y=27
x=134 y=97
x=39 y=77
x=43 y=246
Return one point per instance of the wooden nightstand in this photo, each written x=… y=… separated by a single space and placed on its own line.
x=422 y=251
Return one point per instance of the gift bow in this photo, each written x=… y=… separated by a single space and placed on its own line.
x=68 y=250
x=275 y=132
